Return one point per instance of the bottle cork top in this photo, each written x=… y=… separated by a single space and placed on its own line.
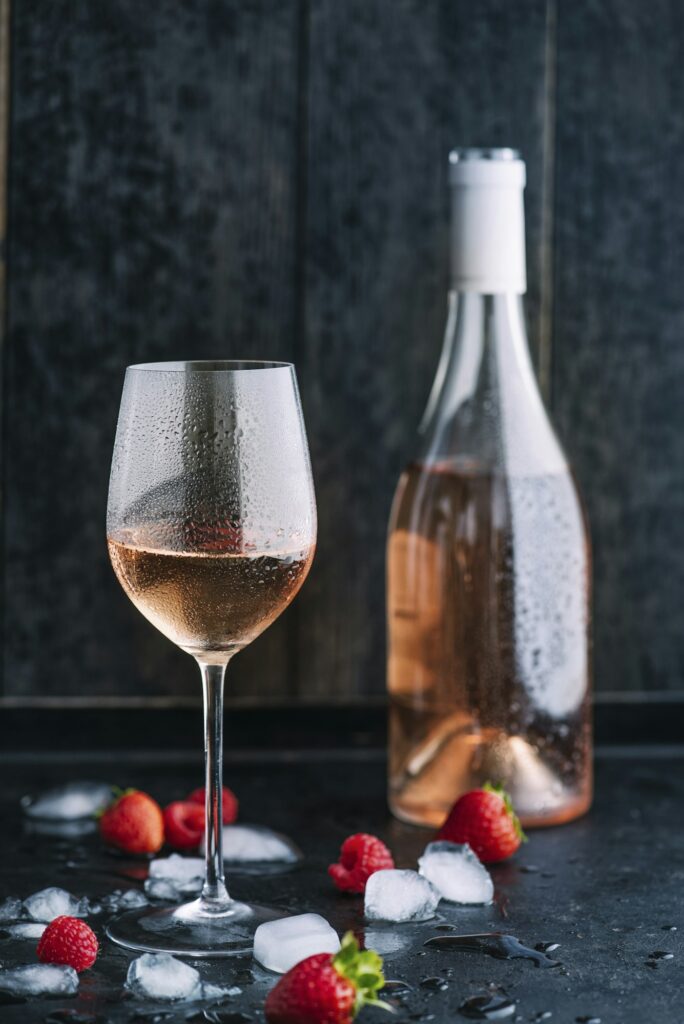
x=497 y=167
x=487 y=220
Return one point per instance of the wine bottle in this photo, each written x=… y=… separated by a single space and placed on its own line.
x=488 y=562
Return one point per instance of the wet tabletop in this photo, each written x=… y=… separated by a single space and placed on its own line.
x=608 y=889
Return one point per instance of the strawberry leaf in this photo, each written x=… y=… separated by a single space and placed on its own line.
x=363 y=968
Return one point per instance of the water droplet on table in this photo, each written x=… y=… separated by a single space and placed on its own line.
x=435 y=984
x=495 y=944
x=396 y=987
x=487 y=1007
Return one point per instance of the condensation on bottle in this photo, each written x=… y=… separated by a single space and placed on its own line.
x=488 y=567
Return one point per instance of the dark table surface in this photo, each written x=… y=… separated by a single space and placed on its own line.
x=608 y=888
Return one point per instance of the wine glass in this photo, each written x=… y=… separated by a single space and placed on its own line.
x=211 y=529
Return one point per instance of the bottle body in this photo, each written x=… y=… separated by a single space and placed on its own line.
x=489 y=589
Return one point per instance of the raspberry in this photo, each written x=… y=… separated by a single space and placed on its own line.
x=360 y=856
x=184 y=825
x=230 y=803
x=69 y=941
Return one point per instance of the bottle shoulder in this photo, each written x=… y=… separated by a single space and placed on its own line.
x=485 y=402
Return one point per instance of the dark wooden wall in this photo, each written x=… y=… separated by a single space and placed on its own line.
x=267 y=178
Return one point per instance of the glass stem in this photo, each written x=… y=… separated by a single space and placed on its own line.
x=214 y=894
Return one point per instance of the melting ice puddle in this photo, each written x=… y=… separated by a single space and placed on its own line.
x=496 y=944
x=386 y=941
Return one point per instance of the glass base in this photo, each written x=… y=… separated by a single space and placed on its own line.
x=192 y=929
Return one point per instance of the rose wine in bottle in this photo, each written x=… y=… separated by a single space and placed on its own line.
x=488 y=562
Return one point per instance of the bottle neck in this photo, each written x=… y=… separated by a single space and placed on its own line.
x=485 y=406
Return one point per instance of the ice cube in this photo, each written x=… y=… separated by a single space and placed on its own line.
x=256 y=844
x=52 y=902
x=456 y=873
x=73 y=800
x=172 y=877
x=75 y=829
x=26 y=930
x=178 y=869
x=39 y=980
x=162 y=889
x=393 y=895
x=10 y=909
x=161 y=976
x=116 y=901
x=279 y=945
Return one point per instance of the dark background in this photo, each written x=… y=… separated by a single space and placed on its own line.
x=267 y=178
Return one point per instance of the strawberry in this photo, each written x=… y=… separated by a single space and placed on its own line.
x=485 y=819
x=230 y=803
x=69 y=941
x=360 y=856
x=184 y=824
x=325 y=989
x=134 y=823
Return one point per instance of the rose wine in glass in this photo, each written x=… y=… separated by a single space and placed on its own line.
x=209 y=602
x=211 y=530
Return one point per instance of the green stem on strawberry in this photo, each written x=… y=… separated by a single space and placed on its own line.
x=363 y=968
x=117 y=793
